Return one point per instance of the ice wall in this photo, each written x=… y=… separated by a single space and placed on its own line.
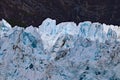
x=66 y=51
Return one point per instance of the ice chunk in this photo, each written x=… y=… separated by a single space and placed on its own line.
x=4 y=27
x=48 y=27
x=29 y=39
x=84 y=28
x=111 y=34
x=14 y=34
x=67 y=28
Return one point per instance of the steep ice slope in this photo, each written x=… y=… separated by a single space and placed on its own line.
x=89 y=51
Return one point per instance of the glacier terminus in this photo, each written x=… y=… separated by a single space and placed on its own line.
x=64 y=51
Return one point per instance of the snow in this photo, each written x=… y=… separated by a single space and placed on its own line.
x=64 y=51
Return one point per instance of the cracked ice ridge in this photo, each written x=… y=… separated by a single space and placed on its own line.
x=66 y=51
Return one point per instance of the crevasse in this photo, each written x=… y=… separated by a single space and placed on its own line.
x=64 y=51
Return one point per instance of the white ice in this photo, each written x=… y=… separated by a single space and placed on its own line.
x=64 y=51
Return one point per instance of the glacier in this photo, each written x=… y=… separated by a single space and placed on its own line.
x=64 y=51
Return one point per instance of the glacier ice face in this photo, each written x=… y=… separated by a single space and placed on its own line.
x=65 y=51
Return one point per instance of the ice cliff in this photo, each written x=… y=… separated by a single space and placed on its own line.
x=66 y=51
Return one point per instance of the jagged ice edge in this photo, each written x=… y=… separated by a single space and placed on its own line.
x=49 y=31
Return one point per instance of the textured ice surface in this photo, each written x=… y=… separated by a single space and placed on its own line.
x=66 y=51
